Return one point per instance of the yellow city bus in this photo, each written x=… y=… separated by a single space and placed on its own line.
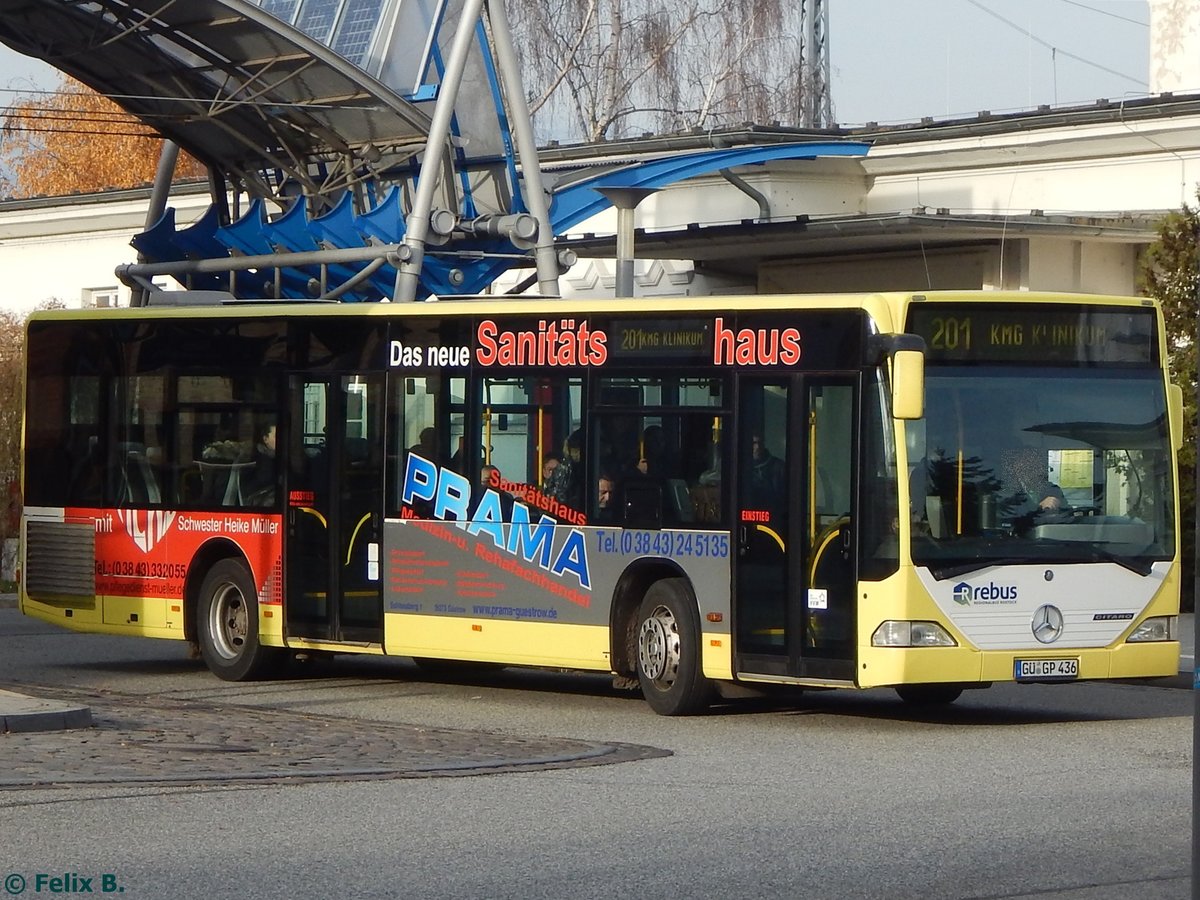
x=930 y=492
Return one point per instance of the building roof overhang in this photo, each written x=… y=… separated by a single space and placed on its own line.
x=742 y=246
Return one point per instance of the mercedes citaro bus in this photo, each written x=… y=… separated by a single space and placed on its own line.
x=926 y=492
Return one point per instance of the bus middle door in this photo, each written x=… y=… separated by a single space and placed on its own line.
x=794 y=579
x=335 y=503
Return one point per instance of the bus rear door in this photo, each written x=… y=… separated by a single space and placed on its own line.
x=335 y=505
x=794 y=571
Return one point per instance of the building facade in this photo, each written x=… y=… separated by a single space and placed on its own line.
x=1049 y=199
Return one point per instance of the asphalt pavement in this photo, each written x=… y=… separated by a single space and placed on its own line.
x=77 y=737
x=90 y=736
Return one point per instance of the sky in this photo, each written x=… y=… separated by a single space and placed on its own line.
x=901 y=60
x=895 y=61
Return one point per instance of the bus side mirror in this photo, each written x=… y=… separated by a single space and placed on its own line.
x=908 y=384
x=904 y=354
x=1175 y=414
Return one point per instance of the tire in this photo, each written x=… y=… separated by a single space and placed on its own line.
x=929 y=694
x=228 y=624
x=668 y=645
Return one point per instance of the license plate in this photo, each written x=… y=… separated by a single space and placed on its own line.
x=1045 y=669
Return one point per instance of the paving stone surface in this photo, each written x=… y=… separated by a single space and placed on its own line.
x=136 y=739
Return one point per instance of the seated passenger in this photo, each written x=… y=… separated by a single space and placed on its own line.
x=549 y=464
x=606 y=499
x=426 y=446
x=258 y=481
x=490 y=479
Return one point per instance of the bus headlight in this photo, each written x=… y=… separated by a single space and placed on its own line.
x=893 y=633
x=1156 y=628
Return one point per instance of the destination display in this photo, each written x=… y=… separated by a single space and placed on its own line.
x=1035 y=333
x=658 y=338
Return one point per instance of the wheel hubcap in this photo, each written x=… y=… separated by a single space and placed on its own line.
x=658 y=647
x=228 y=622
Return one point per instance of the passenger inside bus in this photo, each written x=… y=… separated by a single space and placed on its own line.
x=258 y=481
x=652 y=452
x=549 y=464
x=426 y=446
x=566 y=481
x=606 y=502
x=87 y=473
x=766 y=476
x=490 y=479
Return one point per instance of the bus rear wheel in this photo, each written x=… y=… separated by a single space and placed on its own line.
x=228 y=624
x=668 y=644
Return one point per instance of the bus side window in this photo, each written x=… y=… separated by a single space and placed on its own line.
x=419 y=425
x=135 y=481
x=87 y=473
x=670 y=472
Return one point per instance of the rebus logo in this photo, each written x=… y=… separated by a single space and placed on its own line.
x=146 y=526
x=965 y=594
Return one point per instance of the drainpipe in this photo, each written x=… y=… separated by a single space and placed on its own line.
x=764 y=205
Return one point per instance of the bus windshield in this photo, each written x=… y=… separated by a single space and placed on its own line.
x=1038 y=465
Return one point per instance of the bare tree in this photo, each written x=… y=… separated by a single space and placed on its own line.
x=12 y=360
x=11 y=405
x=602 y=69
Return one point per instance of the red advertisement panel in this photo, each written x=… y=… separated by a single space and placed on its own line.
x=147 y=552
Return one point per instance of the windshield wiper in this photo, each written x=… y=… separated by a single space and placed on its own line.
x=1136 y=564
x=941 y=573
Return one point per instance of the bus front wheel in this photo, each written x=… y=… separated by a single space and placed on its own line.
x=228 y=620
x=668 y=645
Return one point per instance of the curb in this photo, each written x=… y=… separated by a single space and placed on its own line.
x=20 y=714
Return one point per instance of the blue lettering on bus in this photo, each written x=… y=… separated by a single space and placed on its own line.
x=531 y=543
x=488 y=519
x=453 y=498
x=572 y=557
x=420 y=480
x=991 y=593
x=450 y=494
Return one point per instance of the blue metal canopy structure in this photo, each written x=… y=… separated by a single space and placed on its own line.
x=414 y=176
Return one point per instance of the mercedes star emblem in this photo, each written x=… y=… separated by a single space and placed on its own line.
x=1047 y=623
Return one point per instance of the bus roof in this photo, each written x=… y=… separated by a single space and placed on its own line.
x=886 y=308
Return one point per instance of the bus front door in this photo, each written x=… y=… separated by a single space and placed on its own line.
x=335 y=504
x=794 y=570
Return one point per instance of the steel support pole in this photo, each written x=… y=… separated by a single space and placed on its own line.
x=522 y=126
x=416 y=230
x=625 y=250
x=167 y=158
x=626 y=200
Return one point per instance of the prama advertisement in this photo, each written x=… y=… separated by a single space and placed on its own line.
x=147 y=552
